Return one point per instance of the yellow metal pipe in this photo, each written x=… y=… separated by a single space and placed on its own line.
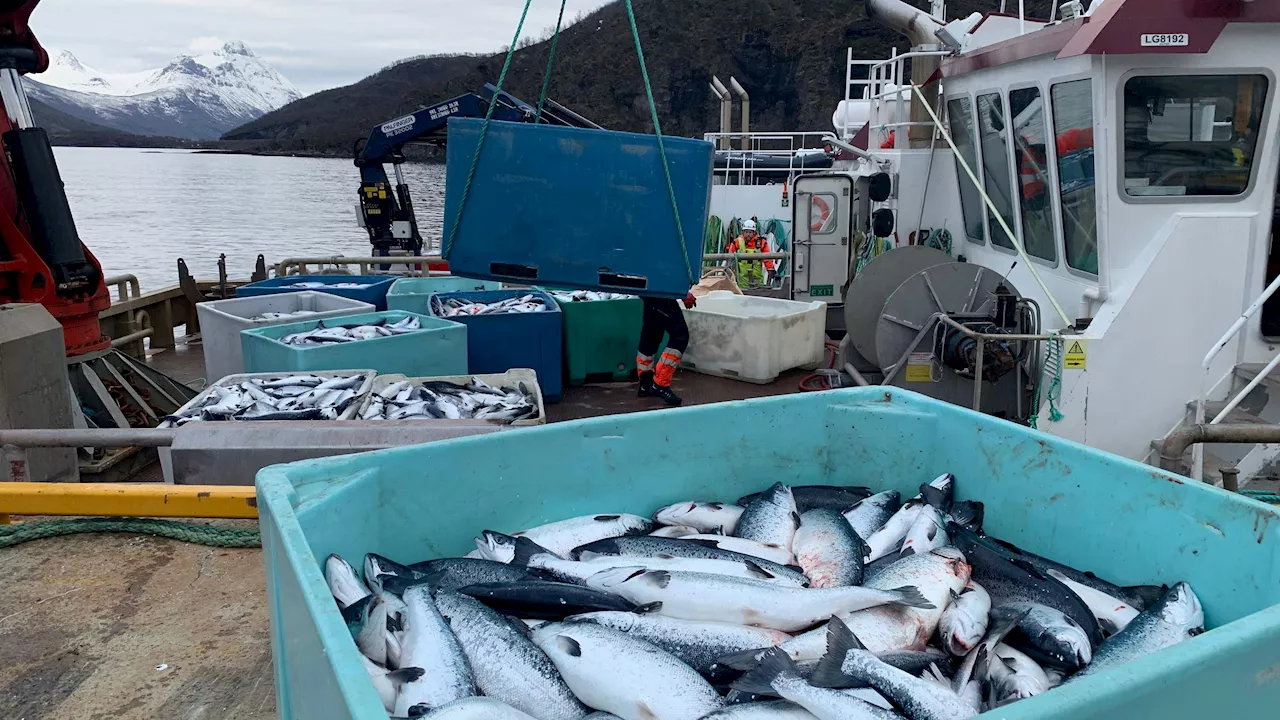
x=184 y=501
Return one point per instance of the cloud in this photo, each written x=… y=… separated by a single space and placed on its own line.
x=204 y=44
x=317 y=44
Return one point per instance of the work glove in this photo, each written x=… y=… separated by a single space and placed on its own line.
x=690 y=301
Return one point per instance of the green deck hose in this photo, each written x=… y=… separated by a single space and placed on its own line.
x=1262 y=496
x=19 y=533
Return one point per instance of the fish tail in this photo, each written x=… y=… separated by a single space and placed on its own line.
x=910 y=596
x=829 y=672
x=774 y=664
x=526 y=549
x=406 y=674
x=742 y=660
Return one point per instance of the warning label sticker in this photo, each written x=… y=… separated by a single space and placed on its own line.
x=920 y=367
x=1076 y=355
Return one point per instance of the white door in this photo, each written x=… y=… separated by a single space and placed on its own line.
x=822 y=225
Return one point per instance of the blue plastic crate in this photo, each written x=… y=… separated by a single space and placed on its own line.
x=413 y=294
x=498 y=343
x=1129 y=522
x=375 y=294
x=440 y=348
x=576 y=208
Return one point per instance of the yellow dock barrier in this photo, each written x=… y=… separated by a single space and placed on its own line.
x=109 y=499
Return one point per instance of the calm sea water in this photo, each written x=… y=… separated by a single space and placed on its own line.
x=141 y=210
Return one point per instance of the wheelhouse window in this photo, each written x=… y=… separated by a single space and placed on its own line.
x=1191 y=134
x=995 y=165
x=1073 y=136
x=960 y=114
x=1030 y=142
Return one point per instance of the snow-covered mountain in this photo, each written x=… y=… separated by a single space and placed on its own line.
x=195 y=96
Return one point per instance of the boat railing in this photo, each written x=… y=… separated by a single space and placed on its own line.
x=740 y=169
x=411 y=266
x=1197 y=451
x=887 y=83
x=127 y=287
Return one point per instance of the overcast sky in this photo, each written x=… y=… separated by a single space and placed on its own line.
x=317 y=44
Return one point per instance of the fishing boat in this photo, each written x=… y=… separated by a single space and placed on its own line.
x=1064 y=223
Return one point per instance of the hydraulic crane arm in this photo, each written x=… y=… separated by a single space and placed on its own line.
x=387 y=213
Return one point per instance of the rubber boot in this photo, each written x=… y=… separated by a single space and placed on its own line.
x=667 y=394
x=646 y=385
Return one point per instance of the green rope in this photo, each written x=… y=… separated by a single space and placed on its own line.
x=1262 y=496
x=1053 y=358
x=546 y=77
x=662 y=150
x=712 y=238
x=19 y=533
x=484 y=131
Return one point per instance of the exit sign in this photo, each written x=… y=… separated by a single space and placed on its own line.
x=822 y=290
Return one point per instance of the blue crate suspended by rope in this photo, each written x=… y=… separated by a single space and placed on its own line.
x=576 y=207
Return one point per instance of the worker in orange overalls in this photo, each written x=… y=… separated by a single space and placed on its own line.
x=750 y=242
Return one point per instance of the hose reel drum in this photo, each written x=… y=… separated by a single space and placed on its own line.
x=891 y=311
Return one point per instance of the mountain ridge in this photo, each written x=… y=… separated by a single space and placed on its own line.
x=195 y=97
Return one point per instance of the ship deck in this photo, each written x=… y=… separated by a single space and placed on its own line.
x=123 y=626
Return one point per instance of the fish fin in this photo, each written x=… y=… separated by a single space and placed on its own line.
x=568 y=645
x=1024 y=564
x=716 y=505
x=1009 y=663
x=648 y=608
x=319 y=325
x=606 y=518
x=935 y=497
x=395 y=623
x=704 y=542
x=419 y=710
x=910 y=596
x=795 y=518
x=759 y=571
x=644 y=712
x=657 y=578
x=526 y=549
x=397 y=584
x=968 y=514
x=1148 y=594
x=954 y=595
x=829 y=672
x=406 y=674
x=1004 y=625
x=773 y=664
x=741 y=660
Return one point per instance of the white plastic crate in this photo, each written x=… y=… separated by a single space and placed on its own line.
x=753 y=338
x=221 y=322
x=166 y=457
x=510 y=378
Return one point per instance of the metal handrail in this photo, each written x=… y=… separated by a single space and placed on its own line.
x=133 y=291
x=283 y=267
x=1197 y=453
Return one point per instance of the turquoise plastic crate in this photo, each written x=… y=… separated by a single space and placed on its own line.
x=375 y=293
x=414 y=294
x=439 y=349
x=1129 y=522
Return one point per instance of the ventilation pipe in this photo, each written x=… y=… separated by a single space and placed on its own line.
x=921 y=29
x=746 y=110
x=726 y=110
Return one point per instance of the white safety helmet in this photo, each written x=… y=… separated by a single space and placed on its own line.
x=749 y=225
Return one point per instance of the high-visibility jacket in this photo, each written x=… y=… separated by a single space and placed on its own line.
x=758 y=244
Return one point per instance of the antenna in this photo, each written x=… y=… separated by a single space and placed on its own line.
x=1006 y=275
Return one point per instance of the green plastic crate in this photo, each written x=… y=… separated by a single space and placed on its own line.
x=1128 y=522
x=414 y=294
x=600 y=338
x=440 y=348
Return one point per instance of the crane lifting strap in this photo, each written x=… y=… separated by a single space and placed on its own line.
x=653 y=112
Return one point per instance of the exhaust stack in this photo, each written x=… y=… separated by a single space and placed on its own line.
x=726 y=110
x=921 y=29
x=746 y=109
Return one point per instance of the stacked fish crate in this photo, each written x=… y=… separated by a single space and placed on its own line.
x=506 y=329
